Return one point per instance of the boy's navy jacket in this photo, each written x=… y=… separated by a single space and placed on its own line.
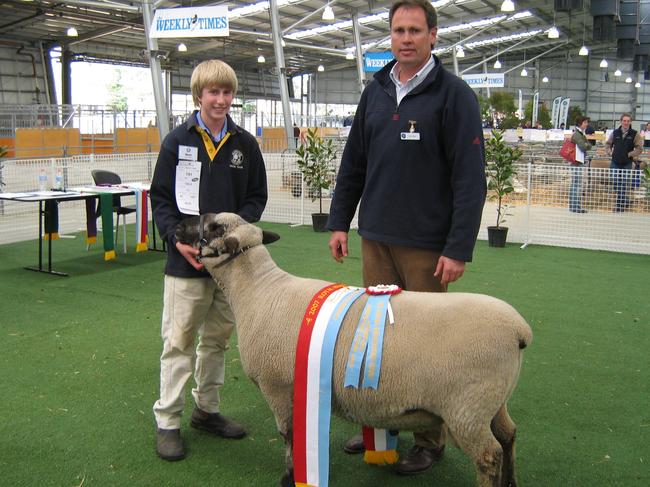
x=235 y=181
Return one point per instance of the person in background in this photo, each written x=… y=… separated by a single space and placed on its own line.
x=207 y=164
x=646 y=136
x=296 y=134
x=624 y=145
x=415 y=160
x=590 y=131
x=582 y=147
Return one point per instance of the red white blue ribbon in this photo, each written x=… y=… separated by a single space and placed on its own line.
x=347 y=296
x=311 y=447
x=302 y=413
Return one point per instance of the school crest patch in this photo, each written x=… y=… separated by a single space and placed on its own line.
x=236 y=159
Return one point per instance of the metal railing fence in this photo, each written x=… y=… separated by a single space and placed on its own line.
x=538 y=210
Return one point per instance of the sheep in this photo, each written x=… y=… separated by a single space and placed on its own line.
x=449 y=358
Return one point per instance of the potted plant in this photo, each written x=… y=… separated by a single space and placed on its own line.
x=500 y=170
x=316 y=163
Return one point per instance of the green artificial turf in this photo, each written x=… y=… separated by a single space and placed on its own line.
x=79 y=372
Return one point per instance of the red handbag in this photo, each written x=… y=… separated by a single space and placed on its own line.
x=568 y=151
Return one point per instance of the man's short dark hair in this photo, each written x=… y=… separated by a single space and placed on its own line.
x=625 y=115
x=581 y=119
x=429 y=11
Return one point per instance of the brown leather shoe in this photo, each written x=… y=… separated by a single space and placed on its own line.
x=217 y=424
x=419 y=459
x=169 y=445
x=355 y=445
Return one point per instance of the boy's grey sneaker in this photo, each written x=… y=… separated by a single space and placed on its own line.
x=169 y=445
x=217 y=424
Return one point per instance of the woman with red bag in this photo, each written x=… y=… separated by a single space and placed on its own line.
x=582 y=146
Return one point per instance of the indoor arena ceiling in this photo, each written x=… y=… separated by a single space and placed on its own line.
x=113 y=31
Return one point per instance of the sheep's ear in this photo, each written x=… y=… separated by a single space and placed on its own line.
x=232 y=244
x=269 y=237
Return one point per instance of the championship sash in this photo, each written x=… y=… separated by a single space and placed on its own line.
x=313 y=383
x=313 y=380
x=141 y=220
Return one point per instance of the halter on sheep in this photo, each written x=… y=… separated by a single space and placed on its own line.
x=452 y=358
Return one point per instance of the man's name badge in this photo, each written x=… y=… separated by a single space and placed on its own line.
x=188 y=153
x=410 y=135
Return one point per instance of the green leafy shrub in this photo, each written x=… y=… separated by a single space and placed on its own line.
x=500 y=170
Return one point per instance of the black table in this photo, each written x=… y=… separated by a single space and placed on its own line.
x=75 y=194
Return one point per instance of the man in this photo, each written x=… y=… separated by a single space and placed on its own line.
x=624 y=144
x=207 y=164
x=415 y=152
x=590 y=131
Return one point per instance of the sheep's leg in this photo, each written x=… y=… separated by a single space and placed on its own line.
x=280 y=400
x=504 y=430
x=474 y=437
x=287 y=479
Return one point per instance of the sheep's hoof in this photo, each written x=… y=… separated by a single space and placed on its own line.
x=287 y=480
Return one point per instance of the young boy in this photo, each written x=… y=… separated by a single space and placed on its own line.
x=206 y=165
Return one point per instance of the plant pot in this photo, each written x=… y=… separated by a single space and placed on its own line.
x=497 y=236
x=319 y=220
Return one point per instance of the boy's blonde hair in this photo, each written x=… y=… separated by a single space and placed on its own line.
x=212 y=72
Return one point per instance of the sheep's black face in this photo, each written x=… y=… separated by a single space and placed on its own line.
x=223 y=233
x=188 y=231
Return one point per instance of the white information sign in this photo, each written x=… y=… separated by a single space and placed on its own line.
x=188 y=177
x=191 y=22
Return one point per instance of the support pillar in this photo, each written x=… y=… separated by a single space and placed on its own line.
x=156 y=72
x=359 y=54
x=276 y=33
x=66 y=76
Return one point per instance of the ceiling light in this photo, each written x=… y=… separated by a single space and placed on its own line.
x=628 y=80
x=545 y=79
x=328 y=13
x=618 y=72
x=459 y=51
x=524 y=73
x=637 y=85
x=508 y=6
x=72 y=32
x=349 y=56
x=497 y=64
x=603 y=63
x=583 y=51
x=553 y=33
x=182 y=47
x=261 y=59
x=321 y=68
